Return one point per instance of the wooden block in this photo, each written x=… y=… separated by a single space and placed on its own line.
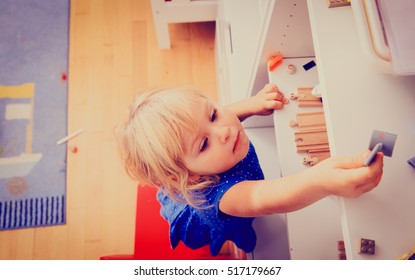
x=311 y=140
x=409 y=256
x=305 y=98
x=306 y=148
x=342 y=250
x=367 y=246
x=338 y=3
x=342 y=256
x=340 y=245
x=312 y=137
x=310 y=161
x=316 y=156
x=309 y=121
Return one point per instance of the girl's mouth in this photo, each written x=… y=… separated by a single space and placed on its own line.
x=235 y=144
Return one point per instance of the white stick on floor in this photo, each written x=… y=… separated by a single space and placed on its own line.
x=70 y=136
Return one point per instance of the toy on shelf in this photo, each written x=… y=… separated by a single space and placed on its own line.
x=291 y=69
x=380 y=141
x=305 y=98
x=409 y=256
x=338 y=3
x=387 y=140
x=311 y=136
x=367 y=246
x=342 y=250
x=274 y=61
x=316 y=156
x=311 y=140
x=411 y=162
x=309 y=121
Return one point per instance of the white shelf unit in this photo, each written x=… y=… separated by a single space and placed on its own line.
x=357 y=99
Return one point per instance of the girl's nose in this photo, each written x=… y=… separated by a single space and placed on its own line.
x=225 y=132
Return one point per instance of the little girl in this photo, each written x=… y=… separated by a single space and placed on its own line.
x=210 y=183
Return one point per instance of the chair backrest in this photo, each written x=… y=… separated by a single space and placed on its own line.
x=152 y=232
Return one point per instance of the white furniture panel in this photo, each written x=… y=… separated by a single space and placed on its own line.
x=287 y=32
x=358 y=99
x=240 y=26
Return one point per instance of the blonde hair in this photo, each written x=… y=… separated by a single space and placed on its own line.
x=151 y=142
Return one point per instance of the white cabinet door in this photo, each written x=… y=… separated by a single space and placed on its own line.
x=240 y=26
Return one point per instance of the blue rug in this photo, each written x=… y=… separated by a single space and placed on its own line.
x=34 y=42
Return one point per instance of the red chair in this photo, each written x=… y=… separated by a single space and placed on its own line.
x=152 y=235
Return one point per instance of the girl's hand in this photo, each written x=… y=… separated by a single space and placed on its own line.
x=267 y=100
x=341 y=176
x=347 y=176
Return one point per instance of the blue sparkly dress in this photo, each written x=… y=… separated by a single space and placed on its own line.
x=199 y=227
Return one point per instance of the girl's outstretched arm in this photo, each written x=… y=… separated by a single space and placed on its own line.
x=263 y=103
x=341 y=176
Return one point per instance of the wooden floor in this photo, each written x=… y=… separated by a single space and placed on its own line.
x=113 y=55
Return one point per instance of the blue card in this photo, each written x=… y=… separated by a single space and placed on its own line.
x=387 y=139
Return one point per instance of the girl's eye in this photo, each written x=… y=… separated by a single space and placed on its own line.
x=213 y=117
x=204 y=145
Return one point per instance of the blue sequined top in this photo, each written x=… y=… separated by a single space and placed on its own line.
x=199 y=227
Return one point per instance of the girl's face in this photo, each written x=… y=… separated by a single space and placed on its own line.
x=220 y=141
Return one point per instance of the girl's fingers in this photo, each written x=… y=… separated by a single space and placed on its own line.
x=285 y=100
x=278 y=96
x=354 y=161
x=276 y=105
